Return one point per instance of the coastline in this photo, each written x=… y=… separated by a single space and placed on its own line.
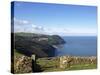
x=58 y=46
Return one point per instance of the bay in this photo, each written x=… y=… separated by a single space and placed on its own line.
x=78 y=46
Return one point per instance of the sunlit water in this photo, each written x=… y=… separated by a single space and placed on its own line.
x=78 y=46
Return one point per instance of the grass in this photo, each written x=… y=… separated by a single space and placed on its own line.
x=83 y=66
x=50 y=65
x=53 y=65
x=74 y=67
x=17 y=54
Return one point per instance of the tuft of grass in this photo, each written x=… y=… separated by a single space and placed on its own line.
x=83 y=66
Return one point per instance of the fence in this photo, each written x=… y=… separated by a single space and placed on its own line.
x=31 y=64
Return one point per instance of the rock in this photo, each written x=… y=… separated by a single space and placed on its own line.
x=65 y=61
x=23 y=65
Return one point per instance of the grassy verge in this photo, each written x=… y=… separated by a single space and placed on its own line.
x=53 y=65
x=83 y=66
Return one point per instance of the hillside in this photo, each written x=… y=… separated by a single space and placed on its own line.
x=38 y=44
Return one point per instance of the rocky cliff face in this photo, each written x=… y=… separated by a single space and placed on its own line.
x=41 y=45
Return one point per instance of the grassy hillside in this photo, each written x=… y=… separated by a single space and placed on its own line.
x=39 y=44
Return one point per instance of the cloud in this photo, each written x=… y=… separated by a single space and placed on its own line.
x=37 y=27
x=71 y=31
x=21 y=25
x=27 y=26
x=21 y=22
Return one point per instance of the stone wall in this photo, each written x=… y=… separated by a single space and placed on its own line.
x=67 y=61
x=23 y=64
x=26 y=64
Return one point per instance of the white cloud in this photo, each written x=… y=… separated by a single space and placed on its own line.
x=26 y=26
x=72 y=31
x=21 y=22
x=37 y=27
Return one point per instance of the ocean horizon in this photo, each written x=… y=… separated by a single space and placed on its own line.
x=78 y=46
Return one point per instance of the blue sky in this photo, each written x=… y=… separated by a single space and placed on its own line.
x=55 y=19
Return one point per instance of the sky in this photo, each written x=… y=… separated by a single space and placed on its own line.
x=55 y=19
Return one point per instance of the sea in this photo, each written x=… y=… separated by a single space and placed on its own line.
x=78 y=46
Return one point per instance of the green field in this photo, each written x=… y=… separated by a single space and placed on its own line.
x=53 y=65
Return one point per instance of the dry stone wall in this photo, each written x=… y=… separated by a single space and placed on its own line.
x=23 y=65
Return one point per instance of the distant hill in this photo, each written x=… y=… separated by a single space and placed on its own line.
x=38 y=44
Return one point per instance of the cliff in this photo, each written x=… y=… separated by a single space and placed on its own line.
x=38 y=44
